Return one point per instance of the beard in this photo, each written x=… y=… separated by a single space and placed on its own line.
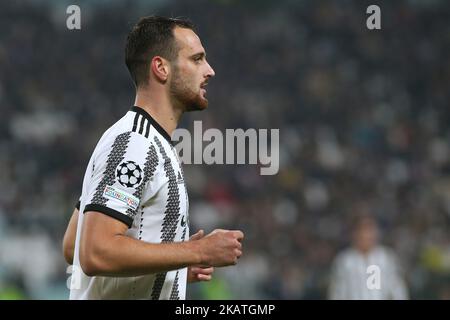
x=186 y=97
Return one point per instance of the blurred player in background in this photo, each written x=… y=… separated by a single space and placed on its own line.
x=130 y=240
x=351 y=268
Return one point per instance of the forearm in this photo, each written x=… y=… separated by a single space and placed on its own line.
x=123 y=256
x=106 y=250
x=69 y=238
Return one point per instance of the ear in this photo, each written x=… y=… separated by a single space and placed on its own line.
x=160 y=68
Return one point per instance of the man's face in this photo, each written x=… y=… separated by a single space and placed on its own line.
x=190 y=72
x=366 y=236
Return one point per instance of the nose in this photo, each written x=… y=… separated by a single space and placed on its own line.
x=210 y=73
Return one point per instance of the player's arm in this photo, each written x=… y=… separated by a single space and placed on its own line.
x=106 y=250
x=199 y=273
x=69 y=237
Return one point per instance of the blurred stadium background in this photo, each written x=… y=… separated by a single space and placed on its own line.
x=364 y=120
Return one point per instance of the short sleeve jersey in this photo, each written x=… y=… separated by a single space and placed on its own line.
x=135 y=176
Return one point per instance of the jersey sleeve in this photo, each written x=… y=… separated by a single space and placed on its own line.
x=122 y=170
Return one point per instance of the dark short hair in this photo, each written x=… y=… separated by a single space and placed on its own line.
x=151 y=36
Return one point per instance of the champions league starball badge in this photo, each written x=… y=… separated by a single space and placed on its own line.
x=129 y=174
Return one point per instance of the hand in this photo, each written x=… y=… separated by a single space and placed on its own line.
x=221 y=248
x=199 y=273
x=196 y=274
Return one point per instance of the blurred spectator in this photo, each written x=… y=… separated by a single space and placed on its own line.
x=367 y=270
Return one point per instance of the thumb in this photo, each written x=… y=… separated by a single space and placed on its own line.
x=198 y=235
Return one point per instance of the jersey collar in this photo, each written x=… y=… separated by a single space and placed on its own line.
x=153 y=122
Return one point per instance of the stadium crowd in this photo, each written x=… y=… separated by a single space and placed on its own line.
x=364 y=121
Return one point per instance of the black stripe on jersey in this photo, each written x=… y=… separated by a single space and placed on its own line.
x=141 y=126
x=145 y=115
x=175 y=294
x=183 y=237
x=138 y=123
x=151 y=161
x=115 y=156
x=147 y=130
x=110 y=212
x=171 y=215
x=136 y=117
x=157 y=285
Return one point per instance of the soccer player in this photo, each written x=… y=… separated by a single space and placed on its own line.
x=353 y=275
x=128 y=238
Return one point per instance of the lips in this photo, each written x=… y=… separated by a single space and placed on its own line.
x=203 y=88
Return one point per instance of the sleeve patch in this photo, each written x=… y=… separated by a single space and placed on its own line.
x=113 y=193
x=129 y=174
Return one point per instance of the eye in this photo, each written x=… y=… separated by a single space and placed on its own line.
x=198 y=58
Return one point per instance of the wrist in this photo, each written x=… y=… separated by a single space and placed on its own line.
x=196 y=249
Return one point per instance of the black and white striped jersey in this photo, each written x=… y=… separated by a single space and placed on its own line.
x=135 y=176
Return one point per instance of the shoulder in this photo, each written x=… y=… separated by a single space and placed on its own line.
x=121 y=146
x=344 y=257
x=118 y=133
x=387 y=253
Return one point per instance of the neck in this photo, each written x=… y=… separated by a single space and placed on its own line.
x=160 y=108
x=364 y=250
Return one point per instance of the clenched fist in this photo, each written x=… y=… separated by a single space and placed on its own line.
x=221 y=248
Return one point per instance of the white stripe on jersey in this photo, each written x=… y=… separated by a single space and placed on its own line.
x=140 y=118
x=146 y=123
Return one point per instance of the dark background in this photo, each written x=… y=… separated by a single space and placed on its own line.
x=364 y=128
